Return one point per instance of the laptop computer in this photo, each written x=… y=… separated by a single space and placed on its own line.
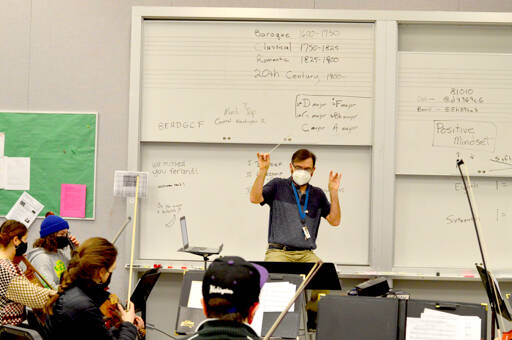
x=195 y=250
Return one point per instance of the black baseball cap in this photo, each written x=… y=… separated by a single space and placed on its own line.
x=236 y=280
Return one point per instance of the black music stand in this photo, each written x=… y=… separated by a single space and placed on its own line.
x=498 y=304
x=326 y=278
x=142 y=290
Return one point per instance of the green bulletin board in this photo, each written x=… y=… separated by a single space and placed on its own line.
x=62 y=150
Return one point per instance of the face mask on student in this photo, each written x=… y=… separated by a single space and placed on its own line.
x=104 y=285
x=62 y=242
x=301 y=177
x=21 y=248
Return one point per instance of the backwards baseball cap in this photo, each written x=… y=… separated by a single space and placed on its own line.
x=236 y=280
x=52 y=224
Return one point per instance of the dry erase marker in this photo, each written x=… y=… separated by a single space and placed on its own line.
x=157 y=265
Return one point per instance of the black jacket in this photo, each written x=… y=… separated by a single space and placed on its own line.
x=76 y=315
x=223 y=330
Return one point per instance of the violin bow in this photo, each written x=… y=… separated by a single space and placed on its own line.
x=120 y=231
x=134 y=227
x=299 y=291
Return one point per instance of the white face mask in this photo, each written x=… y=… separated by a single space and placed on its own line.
x=301 y=177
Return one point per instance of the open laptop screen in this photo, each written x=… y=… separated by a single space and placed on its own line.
x=184 y=233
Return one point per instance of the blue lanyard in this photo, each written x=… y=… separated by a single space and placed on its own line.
x=302 y=211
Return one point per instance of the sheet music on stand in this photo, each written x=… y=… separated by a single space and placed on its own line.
x=437 y=325
x=125 y=182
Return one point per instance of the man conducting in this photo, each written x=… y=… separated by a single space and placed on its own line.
x=295 y=211
x=295 y=208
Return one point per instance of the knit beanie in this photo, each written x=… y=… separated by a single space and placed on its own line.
x=52 y=224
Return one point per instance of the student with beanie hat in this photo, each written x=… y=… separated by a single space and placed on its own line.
x=48 y=255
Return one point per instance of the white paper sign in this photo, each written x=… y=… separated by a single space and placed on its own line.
x=25 y=210
x=17 y=173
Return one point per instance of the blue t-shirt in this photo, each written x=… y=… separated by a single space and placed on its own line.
x=285 y=226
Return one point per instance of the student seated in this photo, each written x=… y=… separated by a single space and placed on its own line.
x=16 y=291
x=48 y=255
x=74 y=313
x=231 y=290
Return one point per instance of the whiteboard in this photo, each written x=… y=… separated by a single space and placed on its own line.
x=257 y=82
x=453 y=105
x=210 y=184
x=433 y=225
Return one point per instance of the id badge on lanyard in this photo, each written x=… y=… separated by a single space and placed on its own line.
x=302 y=211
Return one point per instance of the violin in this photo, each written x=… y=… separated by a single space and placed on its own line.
x=112 y=316
x=31 y=272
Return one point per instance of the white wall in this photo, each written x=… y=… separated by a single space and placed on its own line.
x=71 y=55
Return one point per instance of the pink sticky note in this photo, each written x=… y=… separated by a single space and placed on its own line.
x=72 y=200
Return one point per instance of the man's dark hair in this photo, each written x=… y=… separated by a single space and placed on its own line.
x=220 y=308
x=302 y=155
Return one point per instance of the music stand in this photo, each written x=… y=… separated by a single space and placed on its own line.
x=497 y=302
x=326 y=278
x=142 y=290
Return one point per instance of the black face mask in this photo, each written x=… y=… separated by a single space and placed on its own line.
x=105 y=284
x=62 y=242
x=21 y=248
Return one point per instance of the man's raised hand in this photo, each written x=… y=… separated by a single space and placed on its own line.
x=263 y=161
x=334 y=181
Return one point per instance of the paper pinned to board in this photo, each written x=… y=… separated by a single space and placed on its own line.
x=125 y=183
x=2 y=144
x=72 y=200
x=2 y=172
x=17 y=173
x=25 y=210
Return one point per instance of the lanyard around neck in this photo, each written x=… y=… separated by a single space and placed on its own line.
x=302 y=211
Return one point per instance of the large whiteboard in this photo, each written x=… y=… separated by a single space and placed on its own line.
x=210 y=184
x=257 y=82
x=433 y=225
x=454 y=105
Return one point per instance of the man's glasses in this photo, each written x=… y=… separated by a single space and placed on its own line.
x=298 y=167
